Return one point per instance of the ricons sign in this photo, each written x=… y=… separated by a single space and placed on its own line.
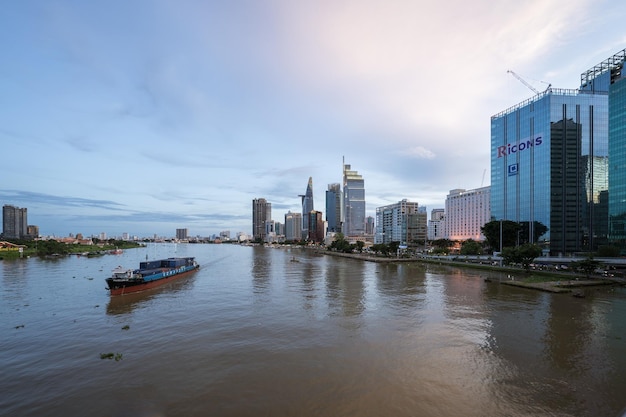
x=510 y=148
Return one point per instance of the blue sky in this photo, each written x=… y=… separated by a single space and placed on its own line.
x=147 y=116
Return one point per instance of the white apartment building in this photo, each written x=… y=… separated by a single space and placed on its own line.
x=466 y=212
x=436 y=224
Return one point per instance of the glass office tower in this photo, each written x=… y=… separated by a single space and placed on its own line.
x=333 y=207
x=549 y=164
x=612 y=72
x=353 y=210
x=307 y=207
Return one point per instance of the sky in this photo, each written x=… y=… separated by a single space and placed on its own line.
x=144 y=116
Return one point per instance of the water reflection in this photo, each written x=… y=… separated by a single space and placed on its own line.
x=262 y=335
x=125 y=304
x=345 y=291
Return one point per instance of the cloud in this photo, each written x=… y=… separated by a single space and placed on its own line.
x=419 y=152
x=28 y=197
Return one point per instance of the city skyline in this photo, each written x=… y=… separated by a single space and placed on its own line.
x=148 y=118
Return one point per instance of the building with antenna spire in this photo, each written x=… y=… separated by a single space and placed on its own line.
x=307 y=206
x=353 y=203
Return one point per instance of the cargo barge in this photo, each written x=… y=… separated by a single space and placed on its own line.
x=150 y=274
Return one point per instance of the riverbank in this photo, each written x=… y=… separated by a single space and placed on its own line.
x=562 y=286
x=548 y=281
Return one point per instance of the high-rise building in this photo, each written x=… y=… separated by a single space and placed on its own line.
x=32 y=231
x=14 y=222
x=466 y=212
x=612 y=71
x=402 y=222
x=549 y=164
x=261 y=213
x=353 y=204
x=307 y=206
x=316 y=226
x=293 y=226
x=370 y=226
x=436 y=224
x=182 y=234
x=333 y=207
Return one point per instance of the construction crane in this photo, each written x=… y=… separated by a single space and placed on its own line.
x=534 y=90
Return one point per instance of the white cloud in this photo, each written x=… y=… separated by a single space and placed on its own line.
x=419 y=152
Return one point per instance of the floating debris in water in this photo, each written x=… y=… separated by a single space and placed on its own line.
x=126 y=327
x=111 y=355
x=96 y=306
x=20 y=326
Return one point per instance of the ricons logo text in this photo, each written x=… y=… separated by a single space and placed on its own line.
x=518 y=147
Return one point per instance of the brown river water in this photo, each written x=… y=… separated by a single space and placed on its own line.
x=285 y=332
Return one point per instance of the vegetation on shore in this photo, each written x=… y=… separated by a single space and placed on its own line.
x=54 y=248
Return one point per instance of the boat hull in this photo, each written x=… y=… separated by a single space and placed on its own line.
x=121 y=288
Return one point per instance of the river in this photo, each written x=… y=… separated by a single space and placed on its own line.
x=286 y=332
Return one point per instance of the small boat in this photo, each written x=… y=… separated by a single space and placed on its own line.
x=150 y=274
x=116 y=251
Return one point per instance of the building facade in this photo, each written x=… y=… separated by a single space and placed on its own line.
x=317 y=229
x=14 y=222
x=353 y=203
x=403 y=222
x=307 y=206
x=370 y=226
x=436 y=224
x=549 y=164
x=293 y=226
x=261 y=213
x=333 y=207
x=466 y=212
x=612 y=71
x=182 y=234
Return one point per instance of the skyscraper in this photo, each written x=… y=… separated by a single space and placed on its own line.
x=316 y=226
x=293 y=226
x=333 y=207
x=353 y=210
x=14 y=222
x=549 y=164
x=307 y=207
x=261 y=213
x=612 y=71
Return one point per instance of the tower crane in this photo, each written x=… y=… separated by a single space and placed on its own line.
x=534 y=90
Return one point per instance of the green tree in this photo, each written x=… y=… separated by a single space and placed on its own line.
x=340 y=244
x=359 y=246
x=442 y=246
x=51 y=247
x=588 y=266
x=608 y=251
x=393 y=247
x=539 y=229
x=492 y=232
x=471 y=247
x=524 y=254
x=381 y=248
